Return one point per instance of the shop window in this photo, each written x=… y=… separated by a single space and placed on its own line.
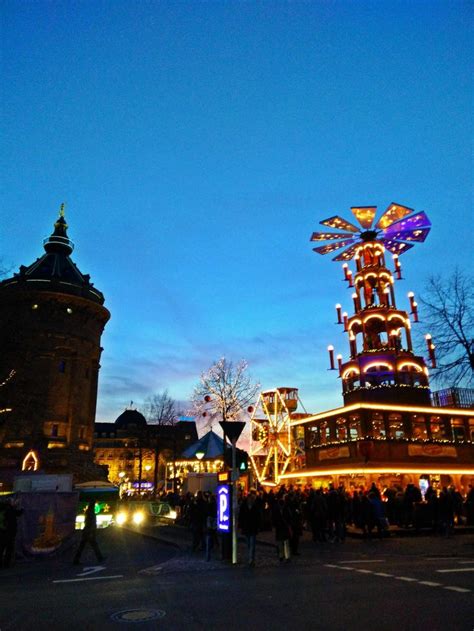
x=341 y=429
x=378 y=426
x=354 y=428
x=438 y=431
x=458 y=429
x=395 y=426
x=324 y=432
x=418 y=424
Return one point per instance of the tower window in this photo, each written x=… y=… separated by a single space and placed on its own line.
x=62 y=366
x=55 y=430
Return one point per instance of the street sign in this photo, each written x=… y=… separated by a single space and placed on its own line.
x=223 y=508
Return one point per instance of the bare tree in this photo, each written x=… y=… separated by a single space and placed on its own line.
x=224 y=391
x=5 y=269
x=449 y=312
x=160 y=409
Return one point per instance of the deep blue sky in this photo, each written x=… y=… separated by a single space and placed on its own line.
x=198 y=145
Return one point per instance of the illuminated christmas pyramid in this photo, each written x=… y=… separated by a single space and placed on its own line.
x=382 y=366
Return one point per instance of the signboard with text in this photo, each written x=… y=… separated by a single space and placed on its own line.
x=223 y=508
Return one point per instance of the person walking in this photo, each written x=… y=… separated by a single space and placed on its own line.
x=89 y=535
x=250 y=521
x=8 y=527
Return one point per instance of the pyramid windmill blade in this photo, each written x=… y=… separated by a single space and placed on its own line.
x=330 y=236
x=339 y=223
x=418 y=220
x=348 y=254
x=393 y=213
x=364 y=215
x=396 y=247
x=332 y=247
x=410 y=234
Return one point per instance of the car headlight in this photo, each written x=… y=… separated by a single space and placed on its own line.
x=172 y=514
x=138 y=517
x=121 y=518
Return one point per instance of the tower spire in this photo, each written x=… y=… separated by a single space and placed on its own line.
x=59 y=241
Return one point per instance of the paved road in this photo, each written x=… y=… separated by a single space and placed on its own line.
x=422 y=584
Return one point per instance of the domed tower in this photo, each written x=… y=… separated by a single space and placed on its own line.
x=51 y=322
x=382 y=366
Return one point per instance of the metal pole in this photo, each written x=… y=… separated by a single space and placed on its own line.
x=234 y=504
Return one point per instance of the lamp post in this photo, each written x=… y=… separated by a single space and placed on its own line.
x=233 y=429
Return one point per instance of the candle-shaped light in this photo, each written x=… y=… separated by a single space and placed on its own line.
x=356 y=302
x=352 y=343
x=339 y=363
x=415 y=311
x=339 y=313
x=411 y=298
x=345 y=270
x=345 y=319
x=433 y=356
x=398 y=267
x=349 y=278
x=331 y=356
x=386 y=292
x=408 y=333
x=428 y=341
x=357 y=261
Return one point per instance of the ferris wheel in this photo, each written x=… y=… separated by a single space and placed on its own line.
x=272 y=445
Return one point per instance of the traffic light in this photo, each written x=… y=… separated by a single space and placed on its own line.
x=241 y=460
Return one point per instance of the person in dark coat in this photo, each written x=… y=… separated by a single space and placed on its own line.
x=318 y=512
x=296 y=523
x=281 y=523
x=250 y=522
x=8 y=527
x=197 y=520
x=89 y=533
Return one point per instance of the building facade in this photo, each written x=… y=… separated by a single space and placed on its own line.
x=140 y=456
x=51 y=321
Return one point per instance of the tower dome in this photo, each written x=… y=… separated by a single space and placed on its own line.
x=130 y=419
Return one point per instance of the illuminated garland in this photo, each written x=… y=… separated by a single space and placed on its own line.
x=423 y=441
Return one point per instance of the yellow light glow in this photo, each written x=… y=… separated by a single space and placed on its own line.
x=121 y=519
x=400 y=316
x=378 y=363
x=377 y=316
x=367 y=471
x=138 y=518
x=350 y=371
x=408 y=363
x=30 y=456
x=383 y=406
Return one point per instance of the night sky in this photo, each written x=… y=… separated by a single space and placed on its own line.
x=198 y=145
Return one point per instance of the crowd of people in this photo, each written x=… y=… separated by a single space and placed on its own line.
x=326 y=513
